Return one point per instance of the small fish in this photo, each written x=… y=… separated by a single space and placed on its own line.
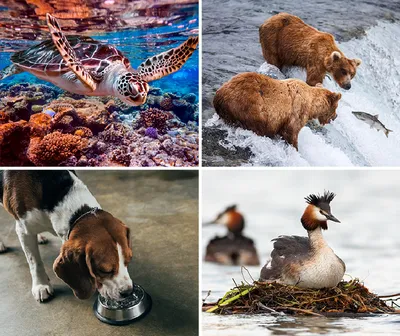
x=372 y=121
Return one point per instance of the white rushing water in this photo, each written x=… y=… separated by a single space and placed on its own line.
x=347 y=141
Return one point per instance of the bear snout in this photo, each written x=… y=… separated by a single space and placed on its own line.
x=347 y=86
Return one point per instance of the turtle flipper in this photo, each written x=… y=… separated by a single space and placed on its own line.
x=68 y=53
x=9 y=71
x=167 y=62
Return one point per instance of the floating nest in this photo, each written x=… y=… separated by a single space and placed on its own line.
x=350 y=298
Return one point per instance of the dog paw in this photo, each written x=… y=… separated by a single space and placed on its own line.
x=42 y=293
x=3 y=248
x=42 y=239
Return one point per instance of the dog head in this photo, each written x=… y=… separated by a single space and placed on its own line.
x=96 y=256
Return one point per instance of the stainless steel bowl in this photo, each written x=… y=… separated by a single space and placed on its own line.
x=123 y=312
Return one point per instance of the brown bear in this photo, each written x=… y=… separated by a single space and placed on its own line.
x=286 y=40
x=271 y=107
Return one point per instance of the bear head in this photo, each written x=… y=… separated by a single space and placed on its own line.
x=342 y=68
x=329 y=114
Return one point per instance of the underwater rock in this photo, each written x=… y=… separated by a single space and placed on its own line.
x=155 y=91
x=154 y=101
x=115 y=133
x=237 y=250
x=183 y=109
x=166 y=104
x=190 y=98
x=23 y=100
x=55 y=148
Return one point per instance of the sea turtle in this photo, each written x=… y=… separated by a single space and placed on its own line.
x=85 y=66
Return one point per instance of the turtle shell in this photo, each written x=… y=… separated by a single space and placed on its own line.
x=45 y=57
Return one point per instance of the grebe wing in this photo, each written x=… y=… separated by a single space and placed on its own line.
x=287 y=250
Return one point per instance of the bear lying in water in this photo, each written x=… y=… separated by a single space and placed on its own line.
x=286 y=40
x=271 y=107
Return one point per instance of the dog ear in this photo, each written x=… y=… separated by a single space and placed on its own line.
x=71 y=267
x=128 y=236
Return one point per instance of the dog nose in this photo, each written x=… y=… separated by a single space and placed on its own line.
x=126 y=292
x=347 y=86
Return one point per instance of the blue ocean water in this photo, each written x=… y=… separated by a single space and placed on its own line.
x=136 y=43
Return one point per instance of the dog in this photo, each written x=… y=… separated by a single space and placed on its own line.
x=96 y=248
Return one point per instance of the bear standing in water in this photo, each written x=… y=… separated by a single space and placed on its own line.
x=271 y=107
x=286 y=40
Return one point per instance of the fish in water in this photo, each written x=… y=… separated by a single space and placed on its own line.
x=372 y=121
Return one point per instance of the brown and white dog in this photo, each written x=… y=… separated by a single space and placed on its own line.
x=96 y=246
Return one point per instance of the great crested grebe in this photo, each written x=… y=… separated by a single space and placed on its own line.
x=307 y=262
x=232 y=219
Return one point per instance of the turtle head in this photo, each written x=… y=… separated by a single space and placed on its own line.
x=131 y=89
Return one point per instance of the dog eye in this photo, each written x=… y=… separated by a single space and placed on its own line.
x=344 y=72
x=105 y=272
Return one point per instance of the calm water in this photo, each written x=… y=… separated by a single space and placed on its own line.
x=365 y=29
x=272 y=202
x=140 y=29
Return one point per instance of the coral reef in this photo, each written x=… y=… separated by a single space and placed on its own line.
x=43 y=126
x=55 y=148
x=154 y=118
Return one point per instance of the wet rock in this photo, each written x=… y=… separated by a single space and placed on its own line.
x=214 y=155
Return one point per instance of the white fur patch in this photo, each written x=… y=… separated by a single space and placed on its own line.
x=120 y=282
x=77 y=196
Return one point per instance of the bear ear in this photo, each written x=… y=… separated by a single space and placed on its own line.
x=335 y=97
x=335 y=56
x=357 y=62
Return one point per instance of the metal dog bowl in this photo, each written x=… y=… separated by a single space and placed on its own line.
x=123 y=312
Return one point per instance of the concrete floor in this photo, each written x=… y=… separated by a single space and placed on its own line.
x=161 y=208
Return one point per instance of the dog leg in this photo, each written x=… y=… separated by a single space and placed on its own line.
x=41 y=287
x=3 y=248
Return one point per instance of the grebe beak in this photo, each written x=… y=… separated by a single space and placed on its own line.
x=332 y=218
x=209 y=223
